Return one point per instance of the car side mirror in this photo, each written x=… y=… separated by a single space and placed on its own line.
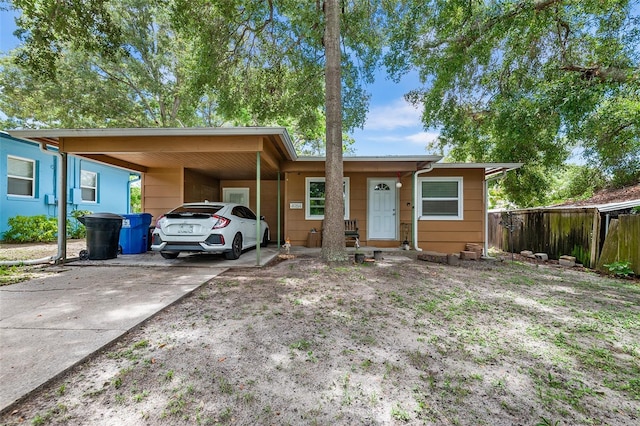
x=262 y=218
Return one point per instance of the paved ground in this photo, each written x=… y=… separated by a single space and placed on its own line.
x=50 y=324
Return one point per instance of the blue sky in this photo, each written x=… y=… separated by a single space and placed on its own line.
x=393 y=126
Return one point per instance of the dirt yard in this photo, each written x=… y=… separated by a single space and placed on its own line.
x=396 y=342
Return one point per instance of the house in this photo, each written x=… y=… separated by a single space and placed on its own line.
x=30 y=177
x=434 y=206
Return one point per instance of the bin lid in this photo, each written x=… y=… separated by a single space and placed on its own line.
x=103 y=216
x=136 y=215
x=96 y=217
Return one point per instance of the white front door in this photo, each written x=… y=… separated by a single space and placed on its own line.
x=382 y=221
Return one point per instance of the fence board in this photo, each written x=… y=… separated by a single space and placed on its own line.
x=552 y=231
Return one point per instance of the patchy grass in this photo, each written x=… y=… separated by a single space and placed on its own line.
x=399 y=342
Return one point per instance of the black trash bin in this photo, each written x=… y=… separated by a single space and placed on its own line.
x=103 y=233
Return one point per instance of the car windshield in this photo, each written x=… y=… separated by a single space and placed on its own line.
x=206 y=210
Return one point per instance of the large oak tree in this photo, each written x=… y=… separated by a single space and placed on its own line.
x=180 y=62
x=526 y=80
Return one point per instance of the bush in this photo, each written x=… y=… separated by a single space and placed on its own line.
x=621 y=269
x=31 y=229
x=43 y=229
x=75 y=229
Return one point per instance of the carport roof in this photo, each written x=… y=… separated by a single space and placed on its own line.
x=220 y=152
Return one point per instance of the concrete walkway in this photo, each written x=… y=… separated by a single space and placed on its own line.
x=50 y=324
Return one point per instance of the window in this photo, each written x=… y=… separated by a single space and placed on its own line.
x=21 y=174
x=89 y=186
x=440 y=198
x=236 y=195
x=315 y=197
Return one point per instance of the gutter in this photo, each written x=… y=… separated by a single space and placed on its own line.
x=62 y=240
x=415 y=210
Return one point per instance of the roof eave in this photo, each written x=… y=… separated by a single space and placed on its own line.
x=491 y=170
x=55 y=134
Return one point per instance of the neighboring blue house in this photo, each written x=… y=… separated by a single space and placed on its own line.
x=29 y=183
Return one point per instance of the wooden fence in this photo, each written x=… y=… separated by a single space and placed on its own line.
x=622 y=243
x=555 y=232
x=574 y=231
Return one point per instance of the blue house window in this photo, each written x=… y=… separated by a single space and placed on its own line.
x=21 y=174
x=89 y=186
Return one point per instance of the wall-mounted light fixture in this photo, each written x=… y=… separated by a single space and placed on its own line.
x=398 y=183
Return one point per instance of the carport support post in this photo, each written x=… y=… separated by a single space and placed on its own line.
x=62 y=208
x=258 y=240
x=279 y=201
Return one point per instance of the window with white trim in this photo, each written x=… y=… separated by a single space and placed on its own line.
x=89 y=186
x=315 y=195
x=21 y=177
x=440 y=198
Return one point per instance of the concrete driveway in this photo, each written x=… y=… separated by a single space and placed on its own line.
x=50 y=324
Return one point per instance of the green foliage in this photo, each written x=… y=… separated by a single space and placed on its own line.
x=75 y=229
x=40 y=228
x=525 y=81
x=29 y=229
x=622 y=269
x=185 y=63
x=135 y=199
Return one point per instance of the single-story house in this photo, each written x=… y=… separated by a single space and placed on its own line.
x=434 y=206
x=29 y=186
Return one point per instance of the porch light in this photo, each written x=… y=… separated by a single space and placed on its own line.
x=398 y=183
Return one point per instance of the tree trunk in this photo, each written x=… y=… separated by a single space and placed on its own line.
x=333 y=243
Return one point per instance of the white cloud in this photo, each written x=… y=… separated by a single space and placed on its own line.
x=398 y=114
x=422 y=138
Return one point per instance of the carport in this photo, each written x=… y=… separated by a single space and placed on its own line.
x=180 y=164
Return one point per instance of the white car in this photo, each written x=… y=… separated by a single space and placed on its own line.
x=209 y=227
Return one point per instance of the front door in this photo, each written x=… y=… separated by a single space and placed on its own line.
x=382 y=220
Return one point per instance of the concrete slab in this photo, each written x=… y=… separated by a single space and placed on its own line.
x=151 y=258
x=50 y=324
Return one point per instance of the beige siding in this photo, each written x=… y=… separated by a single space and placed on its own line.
x=199 y=187
x=269 y=199
x=446 y=236
x=450 y=236
x=297 y=227
x=162 y=190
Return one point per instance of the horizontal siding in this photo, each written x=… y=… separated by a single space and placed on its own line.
x=451 y=236
x=446 y=236
x=268 y=199
x=200 y=187
x=162 y=191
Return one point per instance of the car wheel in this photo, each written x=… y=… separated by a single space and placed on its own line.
x=169 y=254
x=236 y=248
x=265 y=238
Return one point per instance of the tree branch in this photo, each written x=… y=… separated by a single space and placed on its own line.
x=604 y=74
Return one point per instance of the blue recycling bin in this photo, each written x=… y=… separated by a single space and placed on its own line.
x=134 y=233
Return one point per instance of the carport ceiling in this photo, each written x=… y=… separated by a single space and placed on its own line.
x=228 y=166
x=221 y=153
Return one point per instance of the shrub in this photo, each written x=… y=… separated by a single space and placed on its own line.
x=42 y=229
x=75 y=229
x=30 y=229
x=622 y=269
